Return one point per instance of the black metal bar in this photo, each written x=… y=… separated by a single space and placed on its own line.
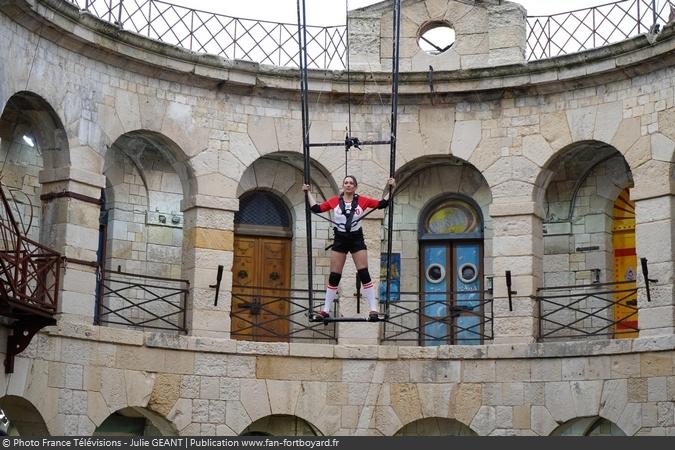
x=342 y=144
x=302 y=56
x=508 y=289
x=580 y=286
x=645 y=273
x=358 y=295
x=219 y=277
x=392 y=137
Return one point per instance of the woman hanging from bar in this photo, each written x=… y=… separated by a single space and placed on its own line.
x=348 y=210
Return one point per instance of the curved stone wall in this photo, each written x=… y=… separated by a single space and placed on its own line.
x=225 y=124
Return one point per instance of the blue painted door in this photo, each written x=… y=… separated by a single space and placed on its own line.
x=434 y=327
x=451 y=309
x=467 y=285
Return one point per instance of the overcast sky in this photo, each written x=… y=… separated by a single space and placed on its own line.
x=332 y=12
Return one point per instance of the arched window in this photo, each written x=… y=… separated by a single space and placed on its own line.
x=452 y=218
x=262 y=213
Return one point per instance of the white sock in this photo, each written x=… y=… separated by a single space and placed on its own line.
x=331 y=293
x=369 y=291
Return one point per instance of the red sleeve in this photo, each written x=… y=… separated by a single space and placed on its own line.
x=367 y=202
x=329 y=204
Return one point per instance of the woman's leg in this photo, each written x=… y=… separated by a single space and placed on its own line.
x=361 y=263
x=337 y=263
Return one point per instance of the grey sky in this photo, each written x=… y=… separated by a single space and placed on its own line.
x=332 y=12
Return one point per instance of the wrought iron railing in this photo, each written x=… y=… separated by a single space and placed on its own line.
x=29 y=271
x=584 y=29
x=230 y=37
x=277 y=315
x=440 y=318
x=141 y=301
x=602 y=310
x=276 y=43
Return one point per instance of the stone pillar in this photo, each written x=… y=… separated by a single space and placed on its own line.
x=361 y=333
x=654 y=241
x=70 y=225
x=208 y=242
x=518 y=246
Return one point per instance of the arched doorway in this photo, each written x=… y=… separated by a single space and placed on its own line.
x=262 y=268
x=435 y=426
x=451 y=265
x=134 y=421
x=281 y=425
x=19 y=417
x=588 y=426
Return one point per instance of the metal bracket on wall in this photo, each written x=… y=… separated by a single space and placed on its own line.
x=645 y=273
x=23 y=331
x=508 y=289
x=219 y=278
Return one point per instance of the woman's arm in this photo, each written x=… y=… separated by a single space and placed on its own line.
x=312 y=201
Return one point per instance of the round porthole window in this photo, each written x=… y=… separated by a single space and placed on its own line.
x=435 y=273
x=436 y=37
x=468 y=273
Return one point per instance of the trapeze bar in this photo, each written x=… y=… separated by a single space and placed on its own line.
x=342 y=144
x=327 y=320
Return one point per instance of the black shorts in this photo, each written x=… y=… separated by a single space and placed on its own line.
x=349 y=242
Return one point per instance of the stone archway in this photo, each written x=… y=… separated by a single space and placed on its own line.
x=24 y=418
x=135 y=421
x=435 y=426
x=281 y=425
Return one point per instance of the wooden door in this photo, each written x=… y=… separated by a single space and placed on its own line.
x=625 y=267
x=260 y=297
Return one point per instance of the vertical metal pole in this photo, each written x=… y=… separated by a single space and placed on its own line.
x=192 y=26
x=392 y=154
x=302 y=56
x=149 y=17
x=654 y=15
x=548 y=36
x=119 y=14
x=234 y=42
x=595 y=31
x=639 y=19
x=539 y=321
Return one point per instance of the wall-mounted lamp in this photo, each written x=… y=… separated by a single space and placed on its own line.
x=595 y=276
x=489 y=284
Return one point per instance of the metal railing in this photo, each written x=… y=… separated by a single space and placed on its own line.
x=141 y=301
x=277 y=315
x=586 y=311
x=440 y=318
x=275 y=43
x=217 y=34
x=584 y=29
x=29 y=271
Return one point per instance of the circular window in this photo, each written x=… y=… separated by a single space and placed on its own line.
x=435 y=273
x=436 y=37
x=468 y=273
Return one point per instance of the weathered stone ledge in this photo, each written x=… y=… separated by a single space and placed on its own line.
x=364 y=352
x=64 y=24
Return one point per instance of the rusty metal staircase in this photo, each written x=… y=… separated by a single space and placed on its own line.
x=29 y=281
